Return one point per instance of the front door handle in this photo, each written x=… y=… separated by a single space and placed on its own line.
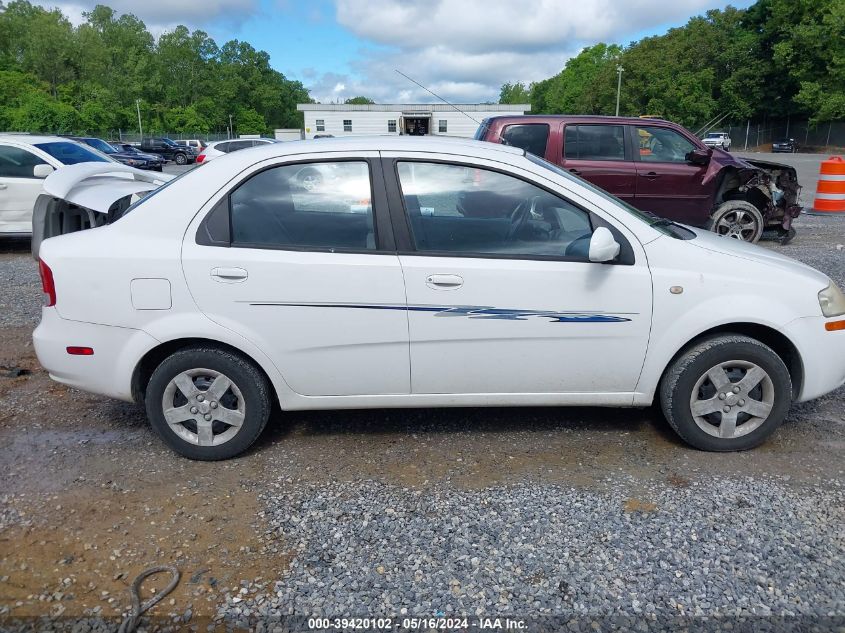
x=650 y=175
x=444 y=282
x=574 y=171
x=3 y=185
x=229 y=275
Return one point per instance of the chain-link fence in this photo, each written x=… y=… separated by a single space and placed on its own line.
x=759 y=135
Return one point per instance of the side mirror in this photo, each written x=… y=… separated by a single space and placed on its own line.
x=699 y=156
x=603 y=248
x=42 y=171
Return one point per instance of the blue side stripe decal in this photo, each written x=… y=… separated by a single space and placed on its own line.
x=471 y=312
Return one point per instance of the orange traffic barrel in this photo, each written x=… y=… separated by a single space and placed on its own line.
x=830 y=192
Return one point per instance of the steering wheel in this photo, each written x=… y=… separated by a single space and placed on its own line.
x=520 y=215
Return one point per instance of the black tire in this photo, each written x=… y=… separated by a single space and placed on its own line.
x=248 y=381
x=682 y=378
x=181 y=159
x=720 y=221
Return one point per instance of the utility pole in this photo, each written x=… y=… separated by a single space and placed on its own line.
x=619 y=71
x=747 y=129
x=138 y=109
x=231 y=129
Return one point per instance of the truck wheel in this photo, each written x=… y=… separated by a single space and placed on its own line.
x=737 y=219
x=207 y=403
x=181 y=159
x=726 y=393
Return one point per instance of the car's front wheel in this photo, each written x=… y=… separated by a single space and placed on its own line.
x=208 y=403
x=726 y=393
x=181 y=159
x=737 y=219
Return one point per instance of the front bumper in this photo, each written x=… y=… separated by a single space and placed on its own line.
x=108 y=371
x=822 y=355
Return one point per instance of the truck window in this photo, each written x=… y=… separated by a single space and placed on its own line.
x=594 y=142
x=532 y=137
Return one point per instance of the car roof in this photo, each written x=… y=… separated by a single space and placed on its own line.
x=441 y=144
x=31 y=139
x=602 y=118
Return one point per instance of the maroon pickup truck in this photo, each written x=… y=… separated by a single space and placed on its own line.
x=660 y=167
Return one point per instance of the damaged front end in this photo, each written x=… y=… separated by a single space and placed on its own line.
x=88 y=195
x=771 y=187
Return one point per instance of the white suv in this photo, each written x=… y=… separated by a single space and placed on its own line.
x=424 y=273
x=722 y=140
x=25 y=160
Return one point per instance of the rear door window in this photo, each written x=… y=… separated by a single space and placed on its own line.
x=322 y=206
x=532 y=137
x=594 y=142
x=222 y=147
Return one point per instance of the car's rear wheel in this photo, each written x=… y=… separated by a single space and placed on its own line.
x=309 y=179
x=181 y=159
x=737 y=219
x=726 y=393
x=208 y=403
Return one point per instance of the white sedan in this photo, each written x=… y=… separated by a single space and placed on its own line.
x=221 y=148
x=427 y=272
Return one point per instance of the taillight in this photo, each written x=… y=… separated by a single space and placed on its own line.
x=201 y=158
x=48 y=286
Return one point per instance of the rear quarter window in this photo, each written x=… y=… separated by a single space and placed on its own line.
x=532 y=137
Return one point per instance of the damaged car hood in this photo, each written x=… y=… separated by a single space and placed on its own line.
x=88 y=195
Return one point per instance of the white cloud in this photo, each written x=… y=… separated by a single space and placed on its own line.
x=161 y=15
x=465 y=49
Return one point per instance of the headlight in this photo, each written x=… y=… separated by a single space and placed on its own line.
x=133 y=163
x=832 y=301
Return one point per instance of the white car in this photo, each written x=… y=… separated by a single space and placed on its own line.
x=220 y=148
x=25 y=161
x=474 y=275
x=722 y=140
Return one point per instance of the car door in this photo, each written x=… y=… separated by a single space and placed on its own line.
x=19 y=187
x=501 y=296
x=599 y=153
x=309 y=276
x=667 y=183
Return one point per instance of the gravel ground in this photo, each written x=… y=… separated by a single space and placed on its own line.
x=580 y=513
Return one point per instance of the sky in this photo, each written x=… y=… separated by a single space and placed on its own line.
x=463 y=50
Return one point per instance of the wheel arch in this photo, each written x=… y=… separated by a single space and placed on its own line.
x=779 y=342
x=149 y=361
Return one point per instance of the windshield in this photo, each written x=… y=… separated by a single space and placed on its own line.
x=715 y=135
x=169 y=142
x=100 y=145
x=658 y=224
x=70 y=153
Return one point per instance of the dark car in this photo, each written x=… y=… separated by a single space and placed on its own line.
x=784 y=146
x=156 y=161
x=120 y=156
x=169 y=149
x=660 y=167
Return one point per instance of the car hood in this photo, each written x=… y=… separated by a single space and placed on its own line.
x=721 y=159
x=751 y=252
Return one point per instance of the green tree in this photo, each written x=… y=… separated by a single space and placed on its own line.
x=359 y=101
x=514 y=93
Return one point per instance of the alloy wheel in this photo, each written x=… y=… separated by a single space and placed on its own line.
x=738 y=224
x=732 y=399
x=203 y=407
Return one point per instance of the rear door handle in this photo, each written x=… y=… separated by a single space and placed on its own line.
x=229 y=275
x=444 y=282
x=2 y=185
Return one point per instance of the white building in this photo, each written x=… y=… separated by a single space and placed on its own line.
x=401 y=118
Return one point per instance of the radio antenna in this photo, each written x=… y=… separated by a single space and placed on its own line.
x=442 y=99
